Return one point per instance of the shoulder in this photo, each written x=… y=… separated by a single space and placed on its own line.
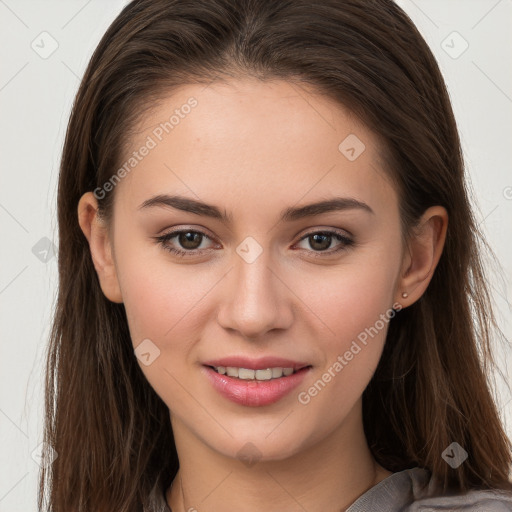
x=471 y=501
x=414 y=490
x=427 y=498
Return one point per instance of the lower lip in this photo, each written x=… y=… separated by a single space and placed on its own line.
x=255 y=393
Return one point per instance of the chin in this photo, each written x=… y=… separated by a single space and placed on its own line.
x=253 y=445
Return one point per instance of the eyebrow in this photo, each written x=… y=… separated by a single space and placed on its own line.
x=287 y=215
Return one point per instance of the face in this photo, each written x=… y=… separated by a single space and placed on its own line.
x=260 y=281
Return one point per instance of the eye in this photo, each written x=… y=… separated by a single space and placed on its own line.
x=320 y=241
x=187 y=238
x=190 y=242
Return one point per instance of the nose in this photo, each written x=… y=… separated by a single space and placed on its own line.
x=255 y=298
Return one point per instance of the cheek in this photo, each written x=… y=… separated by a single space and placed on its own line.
x=349 y=299
x=354 y=306
x=162 y=303
x=162 y=300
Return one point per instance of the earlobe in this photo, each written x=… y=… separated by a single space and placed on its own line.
x=422 y=255
x=100 y=246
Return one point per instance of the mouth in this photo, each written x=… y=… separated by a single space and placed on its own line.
x=255 y=383
x=262 y=374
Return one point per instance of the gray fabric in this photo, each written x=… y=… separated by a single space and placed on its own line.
x=411 y=490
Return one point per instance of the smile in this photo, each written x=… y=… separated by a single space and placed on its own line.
x=254 y=388
x=249 y=374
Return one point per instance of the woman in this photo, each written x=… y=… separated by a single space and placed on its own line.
x=271 y=290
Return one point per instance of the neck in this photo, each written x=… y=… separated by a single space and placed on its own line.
x=327 y=476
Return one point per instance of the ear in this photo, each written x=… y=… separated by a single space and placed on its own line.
x=422 y=255
x=95 y=230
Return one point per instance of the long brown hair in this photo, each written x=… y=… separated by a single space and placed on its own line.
x=432 y=387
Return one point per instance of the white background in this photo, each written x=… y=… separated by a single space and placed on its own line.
x=35 y=99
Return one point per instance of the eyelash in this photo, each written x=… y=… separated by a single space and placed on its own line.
x=163 y=240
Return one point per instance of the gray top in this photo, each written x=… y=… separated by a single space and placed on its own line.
x=411 y=490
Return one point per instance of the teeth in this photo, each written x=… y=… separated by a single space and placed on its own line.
x=277 y=372
x=245 y=374
x=263 y=374
x=232 y=372
x=248 y=374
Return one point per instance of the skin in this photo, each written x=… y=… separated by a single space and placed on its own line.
x=253 y=148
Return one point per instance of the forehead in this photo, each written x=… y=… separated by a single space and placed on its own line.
x=258 y=138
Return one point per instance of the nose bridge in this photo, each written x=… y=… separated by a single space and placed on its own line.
x=254 y=301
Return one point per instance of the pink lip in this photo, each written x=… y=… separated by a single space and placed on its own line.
x=254 y=393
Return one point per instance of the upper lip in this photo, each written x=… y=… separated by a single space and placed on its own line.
x=256 y=364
